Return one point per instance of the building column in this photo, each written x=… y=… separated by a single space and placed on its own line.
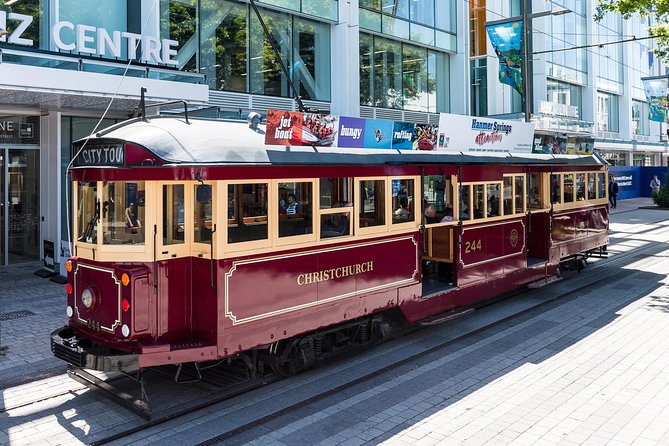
x=345 y=61
x=50 y=186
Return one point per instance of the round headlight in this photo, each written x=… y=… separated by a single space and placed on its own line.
x=87 y=298
x=125 y=330
x=69 y=311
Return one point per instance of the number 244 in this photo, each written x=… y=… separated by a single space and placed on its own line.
x=474 y=245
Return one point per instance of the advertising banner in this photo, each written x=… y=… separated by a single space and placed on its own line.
x=351 y=132
x=506 y=39
x=458 y=133
x=580 y=145
x=378 y=134
x=656 y=89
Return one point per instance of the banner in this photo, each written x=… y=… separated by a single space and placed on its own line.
x=506 y=39
x=459 y=133
x=656 y=94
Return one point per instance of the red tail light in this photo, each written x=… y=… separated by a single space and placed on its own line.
x=125 y=305
x=68 y=289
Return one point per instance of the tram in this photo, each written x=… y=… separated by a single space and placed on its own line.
x=195 y=241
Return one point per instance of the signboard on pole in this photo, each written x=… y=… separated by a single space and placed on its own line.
x=656 y=89
x=506 y=39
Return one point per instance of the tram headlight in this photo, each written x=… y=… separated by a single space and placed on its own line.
x=125 y=330
x=87 y=297
x=69 y=311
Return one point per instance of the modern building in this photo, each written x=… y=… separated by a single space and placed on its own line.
x=585 y=81
x=68 y=67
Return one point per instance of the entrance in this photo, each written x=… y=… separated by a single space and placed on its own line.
x=19 y=205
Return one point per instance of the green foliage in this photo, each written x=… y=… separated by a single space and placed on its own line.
x=661 y=198
x=658 y=9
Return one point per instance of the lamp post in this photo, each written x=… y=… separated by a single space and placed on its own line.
x=527 y=18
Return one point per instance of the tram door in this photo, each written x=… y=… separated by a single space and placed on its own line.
x=538 y=215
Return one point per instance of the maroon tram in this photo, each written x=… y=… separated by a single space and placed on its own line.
x=195 y=241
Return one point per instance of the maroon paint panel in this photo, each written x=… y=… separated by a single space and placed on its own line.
x=104 y=314
x=203 y=299
x=258 y=288
x=488 y=172
x=235 y=338
x=172 y=306
x=537 y=237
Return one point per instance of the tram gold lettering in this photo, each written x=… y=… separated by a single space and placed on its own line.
x=334 y=273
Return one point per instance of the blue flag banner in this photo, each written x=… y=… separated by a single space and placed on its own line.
x=506 y=38
x=656 y=89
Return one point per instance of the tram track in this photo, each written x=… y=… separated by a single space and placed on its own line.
x=554 y=296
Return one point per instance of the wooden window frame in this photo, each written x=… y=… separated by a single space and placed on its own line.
x=271 y=221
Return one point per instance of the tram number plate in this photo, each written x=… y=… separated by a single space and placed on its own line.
x=93 y=325
x=473 y=246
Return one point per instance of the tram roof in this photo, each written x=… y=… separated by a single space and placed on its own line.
x=217 y=142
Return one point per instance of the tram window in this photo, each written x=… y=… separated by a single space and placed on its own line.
x=336 y=224
x=465 y=202
x=536 y=196
x=247 y=212
x=556 y=188
x=479 y=201
x=592 y=183
x=508 y=194
x=580 y=186
x=519 y=193
x=403 y=201
x=372 y=203
x=601 y=185
x=568 y=187
x=87 y=212
x=123 y=214
x=295 y=208
x=336 y=192
x=173 y=214
x=438 y=192
x=203 y=214
x=492 y=194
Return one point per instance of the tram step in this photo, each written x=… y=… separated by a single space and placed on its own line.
x=544 y=282
x=444 y=317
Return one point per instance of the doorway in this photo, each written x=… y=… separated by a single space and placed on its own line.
x=19 y=205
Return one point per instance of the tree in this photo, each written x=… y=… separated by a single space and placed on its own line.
x=659 y=9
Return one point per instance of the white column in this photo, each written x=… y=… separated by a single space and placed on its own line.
x=345 y=61
x=589 y=99
x=459 y=65
x=50 y=187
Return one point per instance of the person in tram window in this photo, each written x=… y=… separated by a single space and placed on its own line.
x=448 y=214
x=131 y=220
x=430 y=214
x=534 y=196
x=402 y=213
x=292 y=206
x=613 y=192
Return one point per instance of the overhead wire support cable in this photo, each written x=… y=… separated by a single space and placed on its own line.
x=593 y=45
x=277 y=54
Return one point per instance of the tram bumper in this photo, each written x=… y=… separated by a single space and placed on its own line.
x=80 y=352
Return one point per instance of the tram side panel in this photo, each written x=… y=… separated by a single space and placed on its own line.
x=577 y=231
x=266 y=299
x=538 y=231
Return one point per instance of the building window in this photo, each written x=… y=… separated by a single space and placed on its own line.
x=607 y=112
x=614 y=158
x=477 y=32
x=564 y=93
x=402 y=76
x=642 y=159
x=479 y=87
x=640 y=122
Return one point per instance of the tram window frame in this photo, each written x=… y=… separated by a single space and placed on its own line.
x=308 y=211
x=128 y=194
x=360 y=206
x=413 y=201
x=519 y=197
x=431 y=189
x=555 y=180
x=340 y=210
x=568 y=188
x=591 y=186
x=508 y=201
x=465 y=208
x=168 y=251
x=602 y=186
x=536 y=180
x=238 y=204
x=491 y=205
x=82 y=222
x=199 y=245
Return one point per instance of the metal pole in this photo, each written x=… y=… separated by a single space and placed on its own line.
x=527 y=76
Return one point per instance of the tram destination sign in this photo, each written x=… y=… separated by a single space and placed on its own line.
x=101 y=155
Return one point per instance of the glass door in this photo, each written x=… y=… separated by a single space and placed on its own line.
x=3 y=207
x=21 y=206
